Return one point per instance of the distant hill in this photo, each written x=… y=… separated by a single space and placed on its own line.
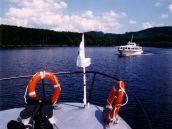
x=156 y=36
x=13 y=36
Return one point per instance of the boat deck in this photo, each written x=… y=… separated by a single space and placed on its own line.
x=70 y=116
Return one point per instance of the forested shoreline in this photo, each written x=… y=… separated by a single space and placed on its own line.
x=15 y=37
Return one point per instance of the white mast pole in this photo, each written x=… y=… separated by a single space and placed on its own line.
x=85 y=87
x=83 y=62
x=84 y=75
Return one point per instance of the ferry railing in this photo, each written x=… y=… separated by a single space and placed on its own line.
x=140 y=105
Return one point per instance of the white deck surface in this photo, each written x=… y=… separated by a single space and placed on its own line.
x=69 y=116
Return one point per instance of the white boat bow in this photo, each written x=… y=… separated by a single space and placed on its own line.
x=70 y=116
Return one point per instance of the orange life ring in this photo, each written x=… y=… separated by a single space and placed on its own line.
x=49 y=76
x=118 y=93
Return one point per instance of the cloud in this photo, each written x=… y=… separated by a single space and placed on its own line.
x=41 y=4
x=115 y=15
x=88 y=13
x=30 y=13
x=52 y=14
x=158 y=4
x=14 y=21
x=147 y=25
x=170 y=7
x=132 y=22
x=164 y=16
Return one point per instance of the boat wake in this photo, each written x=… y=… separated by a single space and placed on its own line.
x=147 y=54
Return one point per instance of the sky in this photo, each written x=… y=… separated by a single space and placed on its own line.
x=108 y=16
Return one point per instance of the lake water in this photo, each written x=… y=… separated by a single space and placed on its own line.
x=148 y=75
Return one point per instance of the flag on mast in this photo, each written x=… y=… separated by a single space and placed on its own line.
x=81 y=60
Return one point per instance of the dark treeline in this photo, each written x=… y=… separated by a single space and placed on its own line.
x=12 y=36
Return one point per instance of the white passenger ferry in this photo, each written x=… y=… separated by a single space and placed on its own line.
x=130 y=49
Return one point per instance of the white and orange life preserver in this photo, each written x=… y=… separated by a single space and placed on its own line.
x=117 y=92
x=44 y=75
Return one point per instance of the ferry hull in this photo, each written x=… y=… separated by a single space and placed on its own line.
x=130 y=53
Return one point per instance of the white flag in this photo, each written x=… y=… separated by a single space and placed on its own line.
x=81 y=60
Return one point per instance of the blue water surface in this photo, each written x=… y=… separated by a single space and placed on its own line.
x=148 y=75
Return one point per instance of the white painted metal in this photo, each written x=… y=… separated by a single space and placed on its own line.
x=85 y=88
x=69 y=116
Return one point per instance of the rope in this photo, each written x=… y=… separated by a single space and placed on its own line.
x=126 y=98
x=27 y=87
x=25 y=95
x=123 y=90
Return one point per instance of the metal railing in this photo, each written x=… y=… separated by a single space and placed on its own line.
x=95 y=73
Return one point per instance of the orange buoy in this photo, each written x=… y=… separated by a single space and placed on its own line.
x=111 y=112
x=49 y=76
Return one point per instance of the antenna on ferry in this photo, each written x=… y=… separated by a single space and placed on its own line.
x=131 y=38
x=83 y=62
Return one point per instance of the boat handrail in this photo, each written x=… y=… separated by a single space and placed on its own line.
x=91 y=88
x=15 y=77
x=59 y=73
